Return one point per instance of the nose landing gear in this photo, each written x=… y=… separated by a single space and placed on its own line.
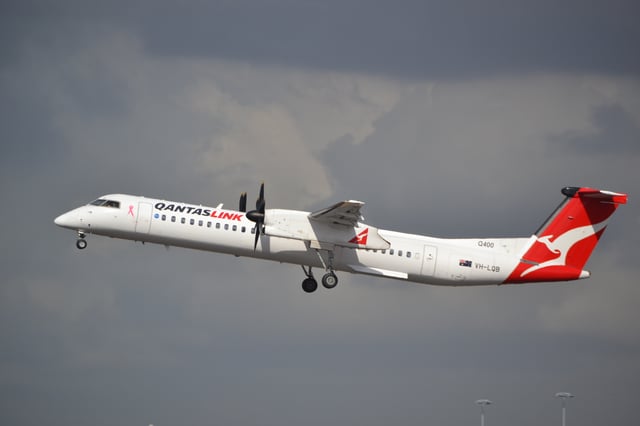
x=81 y=243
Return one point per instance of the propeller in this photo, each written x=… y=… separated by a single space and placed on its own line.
x=257 y=215
x=243 y=202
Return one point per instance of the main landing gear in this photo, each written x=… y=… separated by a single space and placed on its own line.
x=309 y=284
x=81 y=243
x=329 y=280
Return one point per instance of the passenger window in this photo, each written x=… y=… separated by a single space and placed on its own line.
x=400 y=253
x=192 y=221
x=391 y=251
x=218 y=225
x=183 y=221
x=253 y=230
x=243 y=229
x=409 y=254
x=383 y=251
x=164 y=217
x=173 y=218
x=208 y=224
x=226 y=226
x=200 y=223
x=234 y=228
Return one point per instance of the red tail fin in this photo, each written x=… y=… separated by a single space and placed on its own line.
x=563 y=244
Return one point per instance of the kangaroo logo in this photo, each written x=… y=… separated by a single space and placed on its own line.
x=561 y=245
x=361 y=238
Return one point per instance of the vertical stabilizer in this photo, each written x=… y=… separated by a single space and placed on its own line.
x=561 y=247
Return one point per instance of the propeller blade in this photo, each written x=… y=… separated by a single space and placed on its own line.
x=256 y=215
x=243 y=202
x=260 y=201
x=255 y=242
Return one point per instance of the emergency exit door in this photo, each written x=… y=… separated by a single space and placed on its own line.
x=429 y=260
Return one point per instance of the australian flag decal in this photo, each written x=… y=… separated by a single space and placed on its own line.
x=465 y=263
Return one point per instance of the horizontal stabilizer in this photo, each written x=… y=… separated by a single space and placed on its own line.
x=595 y=194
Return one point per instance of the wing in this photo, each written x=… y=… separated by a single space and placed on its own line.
x=345 y=213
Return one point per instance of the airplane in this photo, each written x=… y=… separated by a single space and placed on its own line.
x=336 y=239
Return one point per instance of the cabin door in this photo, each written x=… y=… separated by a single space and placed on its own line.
x=143 y=221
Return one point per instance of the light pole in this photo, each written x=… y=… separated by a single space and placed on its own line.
x=564 y=396
x=482 y=403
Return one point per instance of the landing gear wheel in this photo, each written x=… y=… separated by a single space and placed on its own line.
x=329 y=280
x=81 y=244
x=309 y=285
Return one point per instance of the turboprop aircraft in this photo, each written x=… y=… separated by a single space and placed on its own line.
x=336 y=239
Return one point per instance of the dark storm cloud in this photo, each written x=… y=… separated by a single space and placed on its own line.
x=406 y=39
x=615 y=133
x=26 y=123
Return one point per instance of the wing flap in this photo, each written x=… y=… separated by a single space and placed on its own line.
x=345 y=213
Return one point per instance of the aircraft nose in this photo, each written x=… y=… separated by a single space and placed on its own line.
x=65 y=220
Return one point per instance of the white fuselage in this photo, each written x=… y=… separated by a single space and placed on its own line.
x=457 y=262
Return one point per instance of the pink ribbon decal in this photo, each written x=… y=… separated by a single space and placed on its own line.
x=131 y=211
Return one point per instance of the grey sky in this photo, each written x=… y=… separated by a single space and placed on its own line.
x=408 y=38
x=448 y=120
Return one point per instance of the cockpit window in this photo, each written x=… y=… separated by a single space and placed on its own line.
x=105 y=203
